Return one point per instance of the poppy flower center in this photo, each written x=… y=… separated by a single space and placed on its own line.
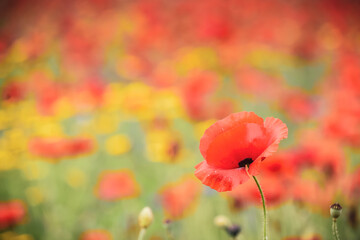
x=244 y=162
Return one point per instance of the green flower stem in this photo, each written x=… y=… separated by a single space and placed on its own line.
x=264 y=207
x=142 y=234
x=335 y=230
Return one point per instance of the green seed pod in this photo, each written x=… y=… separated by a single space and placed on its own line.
x=335 y=210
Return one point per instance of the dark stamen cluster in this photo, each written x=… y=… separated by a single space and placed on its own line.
x=246 y=161
x=336 y=206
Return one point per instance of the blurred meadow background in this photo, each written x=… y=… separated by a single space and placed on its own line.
x=103 y=103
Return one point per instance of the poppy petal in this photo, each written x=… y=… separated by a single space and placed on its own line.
x=246 y=139
x=277 y=130
x=220 y=180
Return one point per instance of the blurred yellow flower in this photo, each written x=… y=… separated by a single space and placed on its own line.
x=25 y=114
x=117 y=144
x=104 y=123
x=5 y=119
x=7 y=160
x=34 y=195
x=63 y=108
x=47 y=127
x=14 y=236
x=200 y=127
x=75 y=178
x=167 y=104
x=15 y=140
x=137 y=100
x=33 y=170
x=189 y=59
x=17 y=52
x=163 y=146
x=113 y=97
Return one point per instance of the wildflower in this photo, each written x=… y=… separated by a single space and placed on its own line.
x=96 y=234
x=179 y=198
x=115 y=185
x=234 y=148
x=57 y=148
x=11 y=213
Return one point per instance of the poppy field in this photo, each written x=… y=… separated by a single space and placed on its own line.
x=179 y=120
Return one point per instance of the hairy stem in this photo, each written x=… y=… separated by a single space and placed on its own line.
x=264 y=207
x=335 y=230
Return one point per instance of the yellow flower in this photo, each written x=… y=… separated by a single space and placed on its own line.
x=75 y=178
x=163 y=146
x=104 y=123
x=35 y=195
x=189 y=59
x=117 y=144
x=5 y=119
x=15 y=140
x=17 y=52
x=167 y=104
x=113 y=97
x=7 y=160
x=63 y=108
x=47 y=127
x=137 y=100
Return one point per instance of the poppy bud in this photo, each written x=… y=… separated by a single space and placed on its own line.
x=145 y=217
x=221 y=221
x=335 y=210
x=233 y=230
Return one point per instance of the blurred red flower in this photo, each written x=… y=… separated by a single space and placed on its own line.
x=179 y=198
x=196 y=93
x=13 y=92
x=57 y=148
x=96 y=235
x=324 y=155
x=278 y=174
x=116 y=184
x=235 y=142
x=242 y=196
x=11 y=213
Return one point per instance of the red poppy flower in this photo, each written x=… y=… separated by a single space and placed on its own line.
x=96 y=235
x=274 y=193
x=115 y=185
x=324 y=155
x=235 y=142
x=179 y=198
x=57 y=148
x=11 y=213
x=13 y=92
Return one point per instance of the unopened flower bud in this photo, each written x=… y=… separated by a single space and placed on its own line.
x=222 y=221
x=335 y=210
x=145 y=217
x=233 y=230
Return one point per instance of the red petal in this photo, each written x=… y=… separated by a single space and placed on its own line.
x=276 y=131
x=220 y=180
x=232 y=139
x=225 y=124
